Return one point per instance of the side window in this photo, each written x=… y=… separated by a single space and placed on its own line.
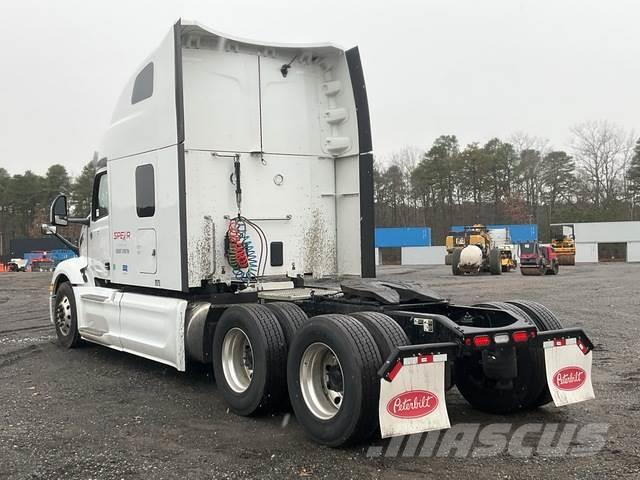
x=143 y=86
x=145 y=191
x=100 y=197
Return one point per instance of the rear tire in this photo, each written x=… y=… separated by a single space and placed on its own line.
x=447 y=259
x=545 y=320
x=249 y=359
x=385 y=331
x=290 y=316
x=495 y=261
x=486 y=394
x=333 y=385
x=66 y=317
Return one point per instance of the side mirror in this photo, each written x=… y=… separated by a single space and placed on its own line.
x=47 y=229
x=58 y=214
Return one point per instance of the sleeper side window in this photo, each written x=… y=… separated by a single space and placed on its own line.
x=143 y=86
x=100 y=197
x=145 y=191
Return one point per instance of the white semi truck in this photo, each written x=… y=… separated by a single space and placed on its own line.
x=234 y=173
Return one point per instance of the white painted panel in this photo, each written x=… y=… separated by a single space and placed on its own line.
x=633 y=252
x=300 y=211
x=221 y=100
x=423 y=255
x=125 y=223
x=153 y=327
x=291 y=107
x=348 y=215
x=99 y=314
x=146 y=250
x=607 y=232
x=586 y=252
x=150 y=123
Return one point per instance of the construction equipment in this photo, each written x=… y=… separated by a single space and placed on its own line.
x=453 y=240
x=478 y=253
x=216 y=194
x=537 y=259
x=563 y=241
x=508 y=261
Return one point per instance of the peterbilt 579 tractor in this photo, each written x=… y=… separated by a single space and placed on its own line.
x=234 y=174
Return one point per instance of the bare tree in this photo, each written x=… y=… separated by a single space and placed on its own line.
x=602 y=150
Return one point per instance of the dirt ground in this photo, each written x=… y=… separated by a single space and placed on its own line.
x=97 y=413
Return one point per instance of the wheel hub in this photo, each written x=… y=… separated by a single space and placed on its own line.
x=321 y=380
x=63 y=316
x=237 y=360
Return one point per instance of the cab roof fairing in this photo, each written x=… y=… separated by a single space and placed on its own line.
x=194 y=28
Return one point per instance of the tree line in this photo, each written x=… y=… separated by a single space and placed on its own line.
x=519 y=180
x=25 y=199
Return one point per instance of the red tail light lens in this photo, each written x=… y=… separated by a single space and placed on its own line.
x=481 y=340
x=520 y=337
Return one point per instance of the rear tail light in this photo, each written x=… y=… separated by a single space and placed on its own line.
x=520 y=336
x=481 y=340
x=501 y=338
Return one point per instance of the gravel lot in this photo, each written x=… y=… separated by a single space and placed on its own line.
x=97 y=413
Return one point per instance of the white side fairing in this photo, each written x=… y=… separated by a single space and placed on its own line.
x=144 y=124
x=145 y=246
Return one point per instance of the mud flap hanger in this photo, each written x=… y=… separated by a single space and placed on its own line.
x=396 y=357
x=566 y=333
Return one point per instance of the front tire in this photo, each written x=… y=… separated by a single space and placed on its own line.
x=455 y=261
x=333 y=385
x=66 y=317
x=249 y=359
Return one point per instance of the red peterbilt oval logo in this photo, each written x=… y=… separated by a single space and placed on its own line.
x=569 y=378
x=412 y=404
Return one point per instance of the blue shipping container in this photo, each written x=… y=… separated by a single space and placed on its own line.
x=403 y=237
x=519 y=233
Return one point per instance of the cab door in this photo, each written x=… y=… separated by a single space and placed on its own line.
x=99 y=242
x=98 y=303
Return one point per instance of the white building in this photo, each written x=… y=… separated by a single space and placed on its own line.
x=607 y=241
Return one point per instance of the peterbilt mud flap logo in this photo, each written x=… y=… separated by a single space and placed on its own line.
x=568 y=369
x=413 y=401
x=412 y=404
x=569 y=378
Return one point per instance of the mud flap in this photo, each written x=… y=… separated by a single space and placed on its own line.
x=412 y=396
x=568 y=367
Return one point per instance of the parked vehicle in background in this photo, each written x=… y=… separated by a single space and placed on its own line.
x=563 y=241
x=453 y=240
x=477 y=252
x=16 y=265
x=538 y=259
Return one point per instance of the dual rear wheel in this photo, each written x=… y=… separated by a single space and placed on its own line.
x=326 y=366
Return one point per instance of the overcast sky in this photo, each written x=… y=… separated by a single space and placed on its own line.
x=474 y=68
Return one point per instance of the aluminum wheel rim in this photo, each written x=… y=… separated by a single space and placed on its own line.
x=237 y=360
x=321 y=380
x=63 y=316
